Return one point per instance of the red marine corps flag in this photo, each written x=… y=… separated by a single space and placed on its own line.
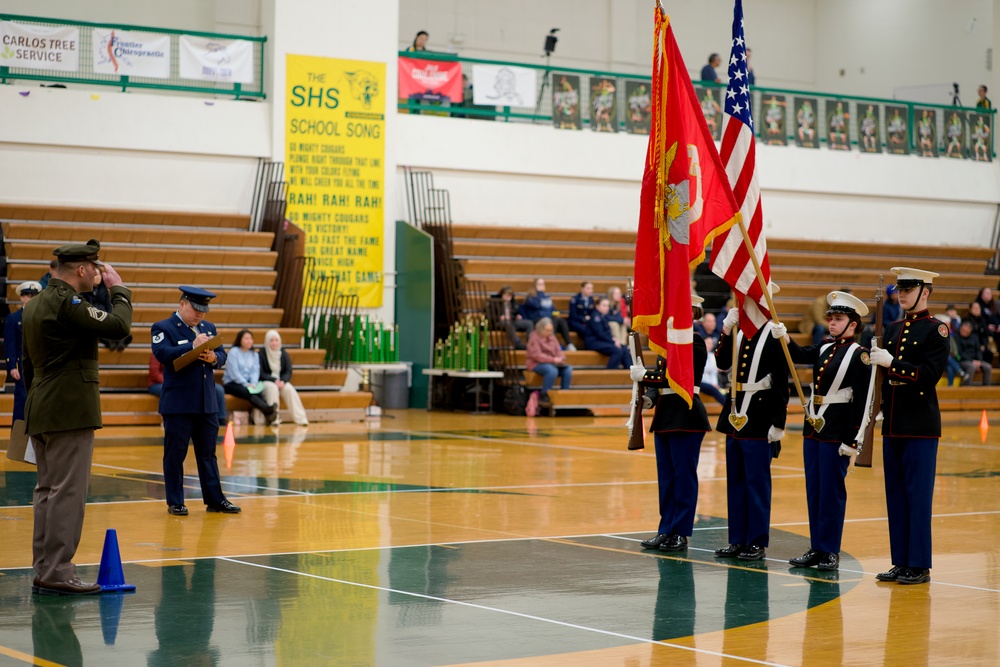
x=686 y=201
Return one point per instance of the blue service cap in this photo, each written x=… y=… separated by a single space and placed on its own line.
x=197 y=297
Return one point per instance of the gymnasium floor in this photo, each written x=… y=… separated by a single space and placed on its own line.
x=441 y=539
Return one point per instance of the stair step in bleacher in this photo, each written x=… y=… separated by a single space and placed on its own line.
x=589 y=378
x=137 y=380
x=155 y=275
x=132 y=255
x=118 y=234
x=219 y=316
x=123 y=216
x=169 y=296
x=138 y=356
x=141 y=335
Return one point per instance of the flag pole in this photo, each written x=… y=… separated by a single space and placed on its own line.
x=774 y=313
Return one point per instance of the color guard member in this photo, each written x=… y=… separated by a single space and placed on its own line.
x=678 y=432
x=188 y=401
x=753 y=421
x=841 y=373
x=13 y=343
x=914 y=356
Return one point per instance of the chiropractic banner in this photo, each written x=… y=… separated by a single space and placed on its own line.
x=39 y=46
x=334 y=156
x=126 y=53
x=221 y=60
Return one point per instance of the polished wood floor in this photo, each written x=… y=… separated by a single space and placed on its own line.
x=440 y=539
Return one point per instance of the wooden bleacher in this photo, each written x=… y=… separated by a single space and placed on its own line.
x=154 y=252
x=804 y=269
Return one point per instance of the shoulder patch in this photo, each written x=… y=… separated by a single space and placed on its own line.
x=865 y=359
x=97 y=313
x=76 y=300
x=943 y=330
x=158 y=338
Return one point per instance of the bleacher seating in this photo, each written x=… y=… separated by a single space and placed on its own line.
x=154 y=252
x=804 y=269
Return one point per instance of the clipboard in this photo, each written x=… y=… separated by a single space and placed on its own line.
x=188 y=357
x=20 y=447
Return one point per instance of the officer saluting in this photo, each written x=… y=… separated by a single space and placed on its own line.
x=64 y=405
x=915 y=353
x=841 y=374
x=189 y=403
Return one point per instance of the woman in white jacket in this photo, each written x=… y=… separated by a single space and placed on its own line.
x=276 y=367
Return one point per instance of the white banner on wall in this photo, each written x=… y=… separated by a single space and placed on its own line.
x=39 y=46
x=209 y=59
x=503 y=86
x=126 y=53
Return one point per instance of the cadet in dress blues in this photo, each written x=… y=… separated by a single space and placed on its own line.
x=188 y=402
x=841 y=373
x=914 y=355
x=12 y=345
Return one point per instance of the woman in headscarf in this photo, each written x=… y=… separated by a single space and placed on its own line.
x=276 y=367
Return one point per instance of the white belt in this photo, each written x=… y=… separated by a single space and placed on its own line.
x=845 y=395
x=666 y=391
x=754 y=386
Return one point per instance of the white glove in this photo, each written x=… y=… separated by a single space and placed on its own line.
x=778 y=330
x=732 y=319
x=880 y=356
x=637 y=372
x=879 y=417
x=647 y=403
x=775 y=434
x=847 y=450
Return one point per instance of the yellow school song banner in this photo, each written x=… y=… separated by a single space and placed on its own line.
x=334 y=165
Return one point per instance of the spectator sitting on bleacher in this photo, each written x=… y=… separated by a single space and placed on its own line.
x=813 y=321
x=618 y=316
x=100 y=298
x=599 y=339
x=276 y=367
x=710 y=379
x=952 y=368
x=706 y=329
x=970 y=355
x=546 y=358
x=44 y=280
x=581 y=305
x=981 y=329
x=242 y=379
x=537 y=305
x=510 y=319
x=891 y=310
x=155 y=386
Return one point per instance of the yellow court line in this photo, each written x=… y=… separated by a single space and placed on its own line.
x=30 y=659
x=699 y=562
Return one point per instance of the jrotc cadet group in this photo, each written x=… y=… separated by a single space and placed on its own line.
x=913 y=354
x=58 y=369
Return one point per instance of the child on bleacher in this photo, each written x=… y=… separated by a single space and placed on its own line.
x=509 y=319
x=599 y=338
x=537 y=305
x=581 y=306
x=618 y=317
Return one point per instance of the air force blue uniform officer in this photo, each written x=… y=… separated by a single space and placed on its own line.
x=189 y=403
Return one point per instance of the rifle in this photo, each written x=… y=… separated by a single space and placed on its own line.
x=866 y=434
x=636 y=431
x=636 y=438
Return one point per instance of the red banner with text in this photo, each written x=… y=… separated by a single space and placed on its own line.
x=430 y=77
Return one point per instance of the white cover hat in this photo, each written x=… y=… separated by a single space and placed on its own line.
x=696 y=300
x=907 y=276
x=841 y=302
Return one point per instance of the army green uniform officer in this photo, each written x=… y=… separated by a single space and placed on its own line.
x=64 y=405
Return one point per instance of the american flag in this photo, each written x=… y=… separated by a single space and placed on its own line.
x=730 y=258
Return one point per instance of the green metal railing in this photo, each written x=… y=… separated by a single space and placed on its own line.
x=852 y=104
x=175 y=83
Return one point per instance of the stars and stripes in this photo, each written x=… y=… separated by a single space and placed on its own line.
x=730 y=258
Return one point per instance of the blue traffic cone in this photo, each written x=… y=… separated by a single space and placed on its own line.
x=111 y=577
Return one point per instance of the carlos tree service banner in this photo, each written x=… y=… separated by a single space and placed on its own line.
x=128 y=53
x=39 y=47
x=334 y=152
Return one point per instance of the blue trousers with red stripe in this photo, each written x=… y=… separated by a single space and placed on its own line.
x=748 y=490
x=677 y=454
x=910 y=465
x=826 y=493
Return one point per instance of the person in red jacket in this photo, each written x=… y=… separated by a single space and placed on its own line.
x=546 y=358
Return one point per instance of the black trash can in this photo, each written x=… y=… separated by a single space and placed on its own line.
x=390 y=389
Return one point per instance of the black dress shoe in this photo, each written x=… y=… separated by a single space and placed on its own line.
x=177 y=510
x=731 y=551
x=831 y=561
x=655 y=542
x=914 y=575
x=891 y=575
x=675 y=543
x=225 y=507
x=34 y=585
x=751 y=552
x=808 y=559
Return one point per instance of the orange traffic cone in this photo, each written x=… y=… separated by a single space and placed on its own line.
x=984 y=427
x=229 y=445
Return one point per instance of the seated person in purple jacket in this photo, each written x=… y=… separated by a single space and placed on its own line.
x=598 y=337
